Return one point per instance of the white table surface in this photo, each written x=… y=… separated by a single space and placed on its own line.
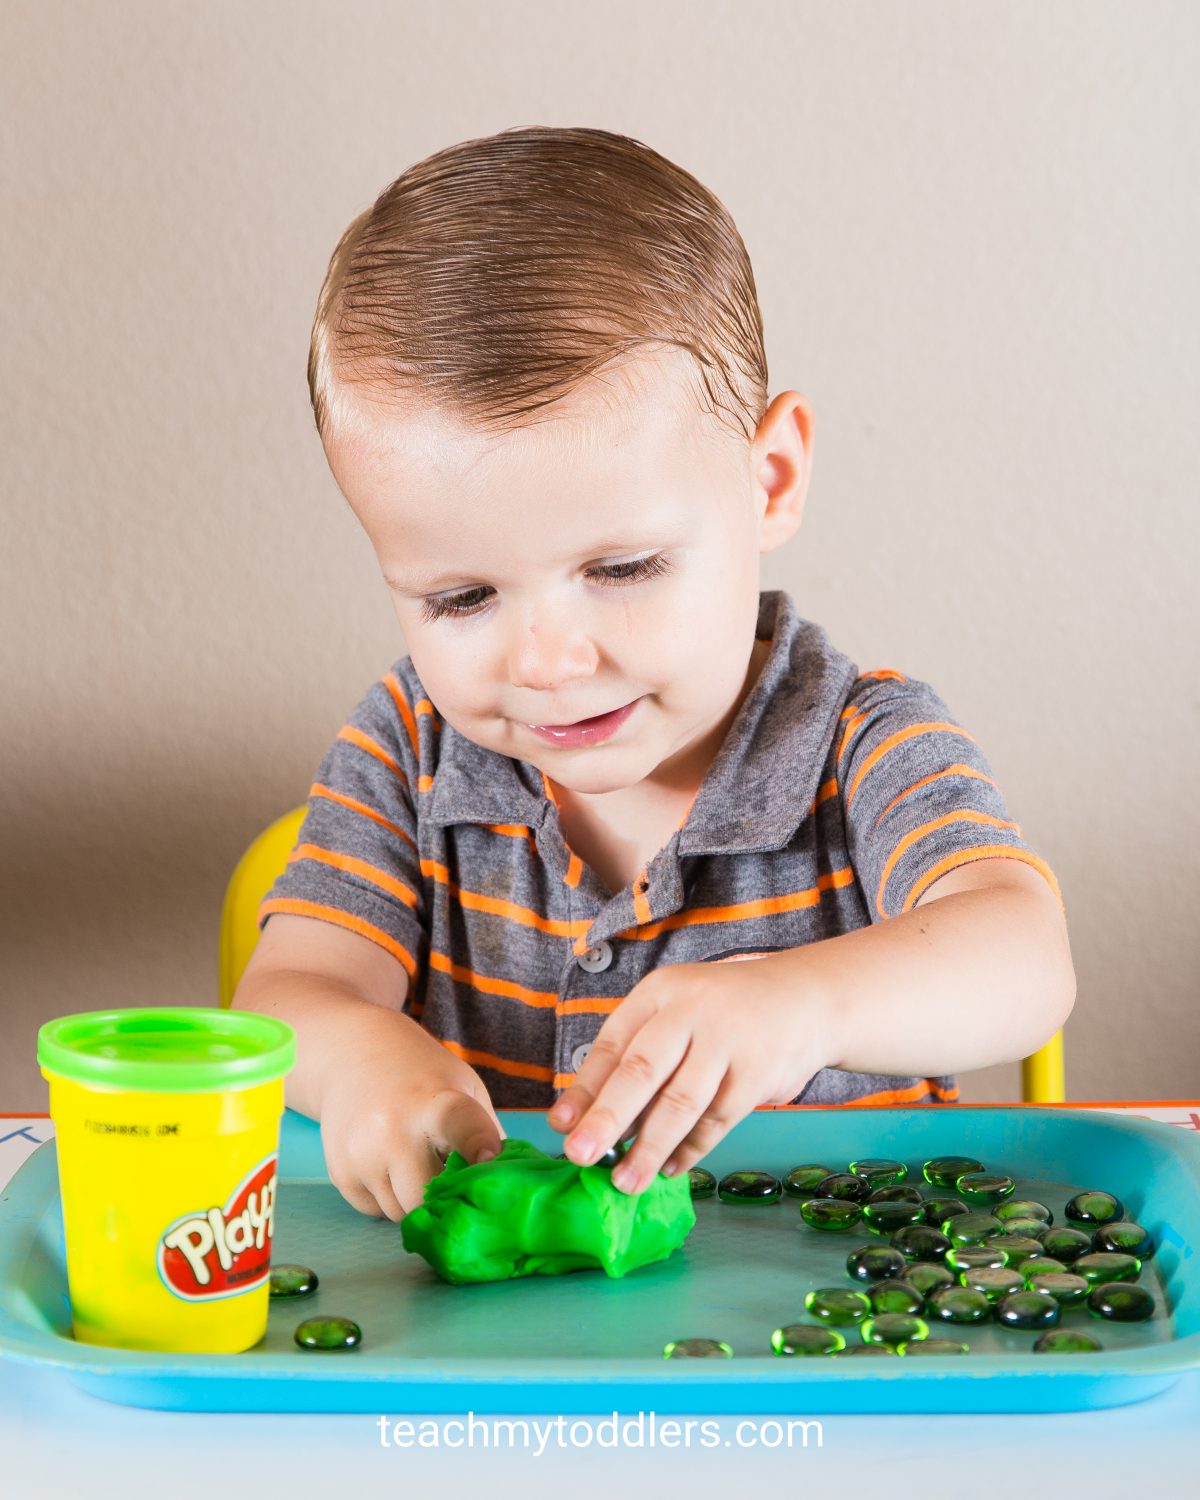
x=56 y=1441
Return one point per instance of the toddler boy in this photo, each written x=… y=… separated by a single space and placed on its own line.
x=611 y=764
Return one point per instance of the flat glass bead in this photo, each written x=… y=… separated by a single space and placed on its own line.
x=328 y=1333
x=1093 y=1207
x=893 y=1329
x=1063 y=1286
x=702 y=1182
x=894 y=1297
x=837 y=1304
x=1027 y=1310
x=1121 y=1303
x=1107 y=1265
x=972 y=1228
x=830 y=1213
x=1023 y=1208
x=806 y=1338
x=934 y=1346
x=749 y=1187
x=802 y=1182
x=1067 y=1341
x=875 y=1263
x=1024 y=1229
x=879 y=1170
x=1125 y=1236
x=292 y=1281
x=944 y=1171
x=1066 y=1244
x=1017 y=1247
x=928 y=1275
x=921 y=1242
x=984 y=1187
x=993 y=1281
x=865 y=1349
x=1041 y=1265
x=846 y=1185
x=938 y=1210
x=957 y=1304
x=886 y=1218
x=697 y=1349
x=975 y=1257
x=897 y=1193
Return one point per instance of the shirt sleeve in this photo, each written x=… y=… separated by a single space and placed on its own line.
x=355 y=861
x=918 y=796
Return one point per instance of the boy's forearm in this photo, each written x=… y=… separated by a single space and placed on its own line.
x=971 y=979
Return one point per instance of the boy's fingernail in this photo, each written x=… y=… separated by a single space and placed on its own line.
x=485 y=1155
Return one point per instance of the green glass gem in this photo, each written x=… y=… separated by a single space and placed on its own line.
x=802 y=1182
x=837 y=1304
x=846 y=1185
x=971 y=1228
x=1107 y=1265
x=993 y=1281
x=958 y=1304
x=830 y=1213
x=875 y=1263
x=879 y=1170
x=895 y=1297
x=928 y=1275
x=697 y=1349
x=1125 y=1236
x=328 y=1333
x=702 y=1182
x=944 y=1171
x=749 y=1187
x=292 y=1281
x=806 y=1338
x=1120 y=1303
x=897 y=1193
x=1092 y=1207
x=1027 y=1310
x=1022 y=1208
x=921 y=1242
x=886 y=1218
x=1066 y=1244
x=984 y=1187
x=1067 y=1341
x=1024 y=1229
x=975 y=1257
x=938 y=1210
x=1017 y=1247
x=934 y=1346
x=893 y=1329
x=1041 y=1265
x=1065 y=1287
x=865 y=1349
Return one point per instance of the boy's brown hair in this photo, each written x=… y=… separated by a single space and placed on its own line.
x=496 y=276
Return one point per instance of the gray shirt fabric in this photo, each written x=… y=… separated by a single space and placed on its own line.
x=836 y=798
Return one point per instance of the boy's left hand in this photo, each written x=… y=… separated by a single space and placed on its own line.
x=689 y=1052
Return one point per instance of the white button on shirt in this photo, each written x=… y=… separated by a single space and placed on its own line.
x=596 y=959
x=579 y=1055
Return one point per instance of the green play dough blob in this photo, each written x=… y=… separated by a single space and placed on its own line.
x=525 y=1213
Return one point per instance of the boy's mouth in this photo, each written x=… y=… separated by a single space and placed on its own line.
x=586 y=731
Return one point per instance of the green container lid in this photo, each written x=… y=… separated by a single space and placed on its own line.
x=167 y=1049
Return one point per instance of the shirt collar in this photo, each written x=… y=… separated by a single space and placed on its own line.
x=761 y=783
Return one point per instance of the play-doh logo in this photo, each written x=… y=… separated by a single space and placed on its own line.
x=223 y=1252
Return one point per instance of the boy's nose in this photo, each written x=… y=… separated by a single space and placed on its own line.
x=545 y=652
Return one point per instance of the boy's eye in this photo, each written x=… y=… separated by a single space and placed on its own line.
x=470 y=600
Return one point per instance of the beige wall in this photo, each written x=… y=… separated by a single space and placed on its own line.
x=974 y=230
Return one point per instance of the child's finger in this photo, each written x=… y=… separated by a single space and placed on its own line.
x=606 y=1052
x=692 y=1093
x=652 y=1054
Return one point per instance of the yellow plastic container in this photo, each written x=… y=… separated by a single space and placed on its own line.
x=167 y=1130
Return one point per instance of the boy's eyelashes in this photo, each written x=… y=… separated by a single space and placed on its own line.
x=470 y=601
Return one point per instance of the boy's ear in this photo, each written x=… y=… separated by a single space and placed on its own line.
x=782 y=464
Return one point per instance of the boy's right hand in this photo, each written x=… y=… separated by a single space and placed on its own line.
x=390 y=1119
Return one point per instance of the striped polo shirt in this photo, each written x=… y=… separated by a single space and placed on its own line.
x=835 y=800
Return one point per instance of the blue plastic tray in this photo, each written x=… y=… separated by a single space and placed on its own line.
x=584 y=1343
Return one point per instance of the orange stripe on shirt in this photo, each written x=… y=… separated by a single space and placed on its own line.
x=574 y=870
x=899 y=737
x=319 y=790
x=406 y=714
x=342 y=919
x=524 y=916
x=956 y=770
x=507 y=1065
x=641 y=907
x=370 y=873
x=513 y=830
x=881 y=673
x=854 y=718
x=927 y=1088
x=960 y=815
x=487 y=985
x=356 y=736
x=983 y=851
